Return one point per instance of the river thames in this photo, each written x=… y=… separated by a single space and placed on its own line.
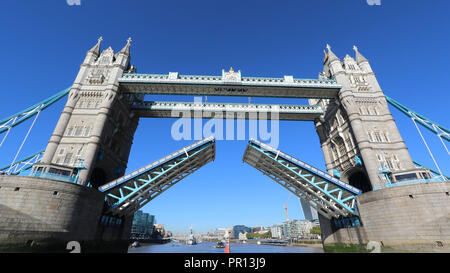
x=208 y=247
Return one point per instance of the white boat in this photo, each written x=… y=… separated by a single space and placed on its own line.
x=191 y=239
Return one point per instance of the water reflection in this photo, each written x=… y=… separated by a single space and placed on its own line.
x=208 y=247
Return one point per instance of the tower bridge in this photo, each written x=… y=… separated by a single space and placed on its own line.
x=77 y=188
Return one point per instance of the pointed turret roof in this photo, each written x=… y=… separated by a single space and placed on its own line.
x=331 y=55
x=126 y=49
x=96 y=48
x=359 y=58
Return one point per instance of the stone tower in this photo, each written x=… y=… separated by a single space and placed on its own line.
x=359 y=138
x=94 y=134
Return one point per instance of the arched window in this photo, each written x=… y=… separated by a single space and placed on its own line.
x=68 y=158
x=377 y=136
x=340 y=146
x=87 y=131
x=375 y=111
x=78 y=130
x=334 y=151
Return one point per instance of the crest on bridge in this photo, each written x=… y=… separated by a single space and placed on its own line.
x=231 y=75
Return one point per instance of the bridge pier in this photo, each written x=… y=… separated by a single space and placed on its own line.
x=43 y=215
x=412 y=217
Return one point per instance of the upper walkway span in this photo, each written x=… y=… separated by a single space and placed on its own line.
x=160 y=109
x=229 y=84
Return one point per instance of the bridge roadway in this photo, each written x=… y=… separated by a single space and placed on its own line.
x=224 y=85
x=158 y=109
x=129 y=193
x=329 y=196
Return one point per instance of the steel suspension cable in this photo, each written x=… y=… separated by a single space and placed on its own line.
x=23 y=142
x=426 y=144
x=440 y=138
x=7 y=133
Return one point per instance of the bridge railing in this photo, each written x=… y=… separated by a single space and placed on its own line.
x=54 y=176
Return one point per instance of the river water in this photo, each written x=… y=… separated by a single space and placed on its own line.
x=208 y=247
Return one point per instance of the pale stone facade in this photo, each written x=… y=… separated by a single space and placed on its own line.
x=96 y=127
x=358 y=135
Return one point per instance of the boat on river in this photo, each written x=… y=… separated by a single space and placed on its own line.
x=220 y=244
x=191 y=239
x=273 y=242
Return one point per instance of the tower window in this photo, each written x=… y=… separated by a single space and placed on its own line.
x=377 y=137
x=78 y=131
x=68 y=158
x=87 y=131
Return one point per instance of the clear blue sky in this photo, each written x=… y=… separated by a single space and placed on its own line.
x=407 y=42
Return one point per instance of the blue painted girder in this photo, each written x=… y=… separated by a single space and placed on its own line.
x=16 y=119
x=329 y=196
x=425 y=122
x=129 y=193
x=22 y=165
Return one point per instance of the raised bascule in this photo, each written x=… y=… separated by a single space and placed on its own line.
x=77 y=190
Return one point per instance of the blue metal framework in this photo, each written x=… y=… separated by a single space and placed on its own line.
x=431 y=170
x=22 y=165
x=16 y=119
x=430 y=125
x=329 y=196
x=126 y=195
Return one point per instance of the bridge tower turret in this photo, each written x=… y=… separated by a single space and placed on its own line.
x=93 y=136
x=358 y=135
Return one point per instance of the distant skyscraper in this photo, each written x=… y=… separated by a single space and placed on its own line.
x=309 y=213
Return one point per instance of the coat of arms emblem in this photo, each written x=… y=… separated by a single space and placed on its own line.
x=231 y=75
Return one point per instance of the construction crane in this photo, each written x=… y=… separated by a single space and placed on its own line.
x=285 y=207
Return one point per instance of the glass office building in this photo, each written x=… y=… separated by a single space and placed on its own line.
x=142 y=223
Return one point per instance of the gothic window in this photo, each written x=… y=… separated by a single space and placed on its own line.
x=88 y=104
x=385 y=138
x=370 y=136
x=70 y=131
x=87 y=131
x=78 y=130
x=349 y=143
x=334 y=152
x=61 y=151
x=80 y=105
x=341 y=146
x=68 y=158
x=376 y=136
x=389 y=163
x=104 y=60
x=336 y=122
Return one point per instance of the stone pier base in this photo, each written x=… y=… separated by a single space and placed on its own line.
x=42 y=215
x=412 y=218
